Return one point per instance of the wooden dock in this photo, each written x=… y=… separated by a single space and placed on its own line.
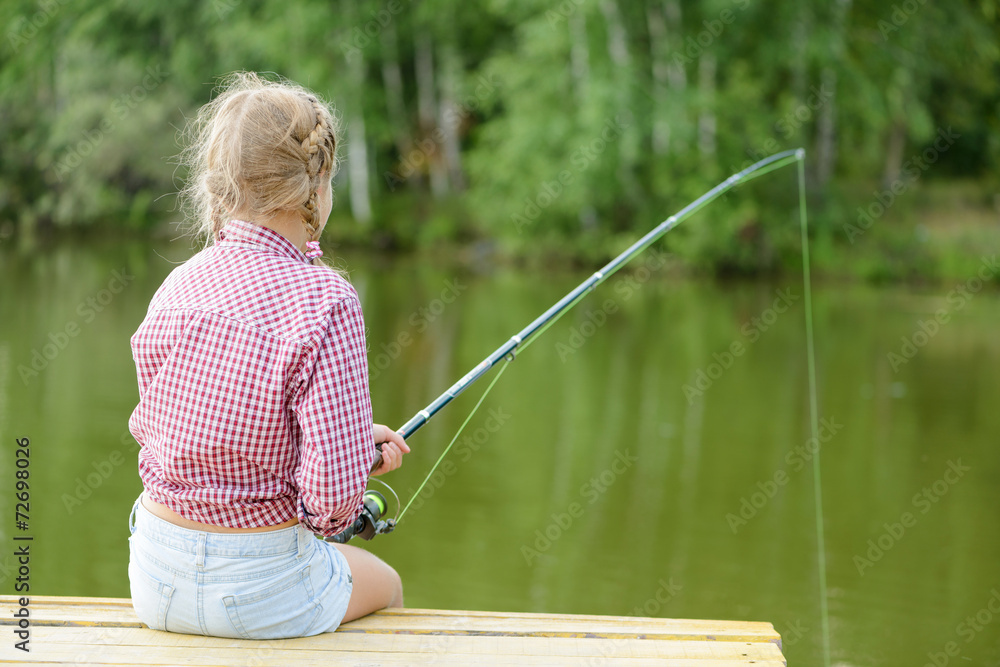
x=105 y=631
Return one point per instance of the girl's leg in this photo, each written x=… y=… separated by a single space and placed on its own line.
x=376 y=584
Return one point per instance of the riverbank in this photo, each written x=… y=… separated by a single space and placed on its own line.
x=935 y=234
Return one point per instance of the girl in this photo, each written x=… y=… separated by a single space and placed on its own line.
x=254 y=416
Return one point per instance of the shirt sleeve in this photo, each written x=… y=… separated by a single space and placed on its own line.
x=333 y=410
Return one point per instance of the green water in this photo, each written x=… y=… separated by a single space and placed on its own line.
x=598 y=484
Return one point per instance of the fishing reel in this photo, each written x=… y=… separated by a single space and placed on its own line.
x=369 y=523
x=373 y=507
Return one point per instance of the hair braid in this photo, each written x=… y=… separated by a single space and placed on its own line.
x=319 y=147
x=217 y=216
x=259 y=149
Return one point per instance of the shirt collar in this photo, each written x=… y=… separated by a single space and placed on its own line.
x=247 y=234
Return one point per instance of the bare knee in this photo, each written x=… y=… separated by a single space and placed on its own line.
x=397 y=589
x=376 y=584
x=389 y=583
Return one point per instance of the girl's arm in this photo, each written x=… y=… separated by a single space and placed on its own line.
x=333 y=410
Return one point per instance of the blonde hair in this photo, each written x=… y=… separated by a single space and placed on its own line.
x=259 y=148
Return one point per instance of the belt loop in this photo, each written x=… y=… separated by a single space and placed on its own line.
x=131 y=516
x=305 y=541
x=202 y=539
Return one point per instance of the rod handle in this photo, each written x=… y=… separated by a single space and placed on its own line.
x=378 y=459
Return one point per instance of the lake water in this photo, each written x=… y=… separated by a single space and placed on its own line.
x=649 y=455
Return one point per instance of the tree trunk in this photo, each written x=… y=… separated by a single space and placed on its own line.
x=675 y=72
x=706 y=117
x=659 y=55
x=392 y=79
x=628 y=147
x=800 y=47
x=617 y=38
x=675 y=22
x=451 y=118
x=894 y=154
x=357 y=168
x=579 y=56
x=826 y=130
x=427 y=112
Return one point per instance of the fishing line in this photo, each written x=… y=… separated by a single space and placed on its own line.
x=453 y=440
x=554 y=314
x=370 y=524
x=546 y=319
x=814 y=413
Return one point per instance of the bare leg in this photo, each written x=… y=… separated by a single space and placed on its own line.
x=376 y=584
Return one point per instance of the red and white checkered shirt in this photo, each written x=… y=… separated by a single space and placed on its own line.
x=253 y=388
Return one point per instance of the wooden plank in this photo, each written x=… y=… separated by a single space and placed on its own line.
x=79 y=611
x=211 y=657
x=112 y=611
x=566 y=626
x=105 y=631
x=94 y=639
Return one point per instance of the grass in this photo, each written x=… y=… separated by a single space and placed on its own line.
x=939 y=232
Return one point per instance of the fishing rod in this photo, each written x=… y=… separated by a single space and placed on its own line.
x=370 y=522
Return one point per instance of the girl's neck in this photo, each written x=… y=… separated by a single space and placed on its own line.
x=289 y=225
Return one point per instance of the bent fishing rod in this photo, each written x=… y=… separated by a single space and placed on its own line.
x=370 y=522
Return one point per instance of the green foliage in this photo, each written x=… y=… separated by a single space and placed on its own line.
x=548 y=127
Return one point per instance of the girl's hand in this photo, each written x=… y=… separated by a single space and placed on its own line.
x=393 y=448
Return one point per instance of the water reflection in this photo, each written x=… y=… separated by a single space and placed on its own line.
x=541 y=512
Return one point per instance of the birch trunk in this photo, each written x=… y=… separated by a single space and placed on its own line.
x=706 y=117
x=661 y=79
x=800 y=46
x=676 y=74
x=617 y=38
x=451 y=119
x=627 y=145
x=826 y=130
x=579 y=56
x=427 y=113
x=392 y=80
x=894 y=154
x=357 y=168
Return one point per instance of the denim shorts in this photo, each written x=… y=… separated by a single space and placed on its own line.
x=270 y=585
